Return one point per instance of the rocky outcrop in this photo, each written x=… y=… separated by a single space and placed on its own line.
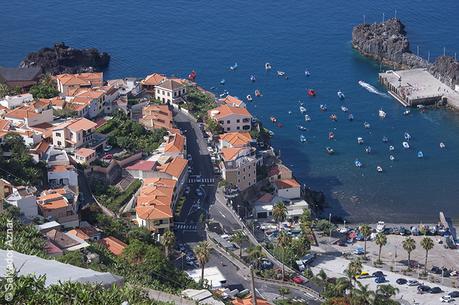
x=387 y=43
x=64 y=59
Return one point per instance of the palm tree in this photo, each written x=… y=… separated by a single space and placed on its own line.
x=427 y=244
x=306 y=225
x=363 y=295
x=381 y=241
x=279 y=212
x=202 y=252
x=409 y=244
x=354 y=268
x=366 y=232
x=256 y=254
x=168 y=241
x=239 y=237
x=283 y=241
x=283 y=292
x=386 y=291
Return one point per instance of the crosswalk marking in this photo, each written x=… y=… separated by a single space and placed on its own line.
x=201 y=180
x=186 y=227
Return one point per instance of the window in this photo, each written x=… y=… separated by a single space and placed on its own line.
x=228 y=129
x=175 y=93
x=237 y=127
x=238 y=121
x=246 y=127
x=168 y=94
x=59 y=143
x=58 y=134
x=163 y=92
x=228 y=122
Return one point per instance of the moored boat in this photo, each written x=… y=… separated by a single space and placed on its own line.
x=442 y=145
x=311 y=92
x=407 y=136
x=280 y=73
x=303 y=139
x=406 y=112
x=391 y=157
x=385 y=139
x=420 y=154
x=340 y=94
x=379 y=169
x=391 y=148
x=350 y=117
x=257 y=92
x=333 y=117
x=307 y=118
x=329 y=150
x=252 y=78
x=344 y=109
x=303 y=110
x=300 y=127
x=381 y=114
x=222 y=82
x=249 y=98
x=323 y=107
x=368 y=149
x=273 y=119
x=192 y=75
x=357 y=163
x=360 y=140
x=331 y=135
x=406 y=145
x=366 y=125
x=268 y=66
x=307 y=73
x=233 y=67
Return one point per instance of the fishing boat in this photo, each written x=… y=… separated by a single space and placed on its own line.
x=340 y=94
x=323 y=107
x=271 y=133
x=289 y=112
x=331 y=135
x=249 y=98
x=350 y=117
x=273 y=119
x=391 y=157
x=391 y=148
x=344 y=109
x=225 y=93
x=406 y=145
x=268 y=66
x=380 y=227
x=442 y=145
x=368 y=149
x=407 y=136
x=366 y=125
x=420 y=154
x=379 y=169
x=333 y=117
x=302 y=110
x=280 y=125
x=307 y=73
x=357 y=163
x=381 y=114
x=360 y=140
x=280 y=73
x=252 y=78
x=385 y=139
x=329 y=150
x=233 y=67
x=302 y=139
x=311 y=92
x=192 y=75
x=257 y=93
x=300 y=127
x=406 y=112
x=307 y=118
x=222 y=82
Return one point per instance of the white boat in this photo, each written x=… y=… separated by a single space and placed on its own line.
x=381 y=114
x=357 y=163
x=329 y=150
x=289 y=112
x=280 y=73
x=407 y=136
x=307 y=73
x=307 y=118
x=385 y=139
x=303 y=139
x=350 y=117
x=406 y=112
x=420 y=154
x=366 y=125
x=252 y=78
x=442 y=145
x=302 y=110
x=233 y=67
x=406 y=145
x=300 y=127
x=344 y=109
x=380 y=227
x=379 y=169
x=268 y=66
x=323 y=107
x=340 y=94
x=391 y=148
x=391 y=157
x=222 y=82
x=368 y=149
x=271 y=133
x=249 y=98
x=360 y=140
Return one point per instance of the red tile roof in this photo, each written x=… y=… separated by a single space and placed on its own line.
x=287 y=183
x=114 y=245
x=142 y=165
x=225 y=110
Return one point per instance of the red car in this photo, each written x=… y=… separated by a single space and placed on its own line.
x=108 y=157
x=298 y=280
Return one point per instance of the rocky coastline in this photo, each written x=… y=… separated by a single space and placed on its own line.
x=388 y=44
x=63 y=59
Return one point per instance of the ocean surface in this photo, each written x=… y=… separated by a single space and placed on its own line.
x=175 y=37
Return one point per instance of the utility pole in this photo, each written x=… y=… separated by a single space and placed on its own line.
x=252 y=278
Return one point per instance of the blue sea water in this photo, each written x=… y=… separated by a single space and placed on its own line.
x=175 y=37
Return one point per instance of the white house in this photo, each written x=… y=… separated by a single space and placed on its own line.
x=32 y=114
x=14 y=101
x=232 y=118
x=288 y=188
x=23 y=197
x=169 y=91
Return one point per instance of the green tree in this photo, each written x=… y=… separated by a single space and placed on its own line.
x=386 y=292
x=354 y=268
x=213 y=126
x=409 y=244
x=202 y=252
x=306 y=225
x=283 y=291
x=256 y=255
x=427 y=244
x=46 y=88
x=168 y=241
x=239 y=237
x=283 y=242
x=381 y=241
x=279 y=212
x=366 y=232
x=363 y=295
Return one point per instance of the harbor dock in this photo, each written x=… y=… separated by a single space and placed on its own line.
x=418 y=87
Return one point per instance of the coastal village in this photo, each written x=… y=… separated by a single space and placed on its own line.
x=158 y=187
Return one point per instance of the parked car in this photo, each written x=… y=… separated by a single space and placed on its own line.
x=380 y=280
x=378 y=274
x=423 y=288
x=189 y=157
x=413 y=283
x=198 y=192
x=359 y=251
x=401 y=281
x=108 y=157
x=362 y=274
x=435 y=270
x=187 y=190
x=266 y=264
x=436 y=290
x=446 y=299
x=454 y=294
x=298 y=280
x=107 y=148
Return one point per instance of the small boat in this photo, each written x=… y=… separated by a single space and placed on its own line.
x=360 y=140
x=379 y=169
x=368 y=149
x=329 y=150
x=344 y=109
x=420 y=154
x=311 y=92
x=222 y=82
x=280 y=73
x=273 y=119
x=252 y=78
x=268 y=66
x=307 y=73
x=192 y=75
x=442 y=145
x=380 y=227
x=331 y=135
x=406 y=145
x=323 y=107
x=350 y=117
x=233 y=67
x=333 y=117
x=385 y=139
x=249 y=98
x=407 y=136
x=289 y=112
x=271 y=133
x=366 y=125
x=280 y=125
x=307 y=118
x=391 y=157
x=257 y=93
x=406 y=112
x=302 y=110
x=357 y=163
x=340 y=94
x=303 y=139
x=300 y=127
x=225 y=93
x=421 y=106
x=381 y=114
x=391 y=148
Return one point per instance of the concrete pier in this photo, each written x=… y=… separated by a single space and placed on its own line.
x=418 y=87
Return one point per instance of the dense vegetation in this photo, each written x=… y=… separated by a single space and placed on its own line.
x=130 y=135
x=198 y=103
x=19 y=168
x=112 y=197
x=45 y=88
x=5 y=90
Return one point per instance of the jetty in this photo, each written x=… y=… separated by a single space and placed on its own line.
x=415 y=87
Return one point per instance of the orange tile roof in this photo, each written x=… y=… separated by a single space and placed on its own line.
x=113 y=244
x=84 y=152
x=287 y=183
x=159 y=181
x=56 y=101
x=22 y=112
x=230 y=153
x=175 y=167
x=248 y=301
x=157 y=212
x=231 y=101
x=76 y=106
x=81 y=79
x=155 y=199
x=81 y=124
x=175 y=143
x=4 y=125
x=41 y=147
x=79 y=233
x=153 y=79
x=225 y=110
x=61 y=168
x=52 y=201
x=170 y=84
x=236 y=139
x=89 y=93
x=142 y=165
